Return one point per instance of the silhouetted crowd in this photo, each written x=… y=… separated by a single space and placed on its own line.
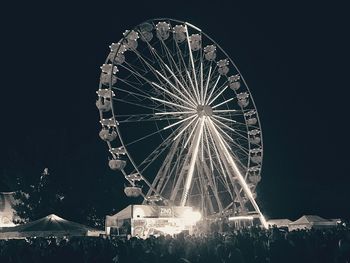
x=249 y=246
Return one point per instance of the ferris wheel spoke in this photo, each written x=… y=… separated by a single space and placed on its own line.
x=242 y=148
x=184 y=129
x=182 y=61
x=181 y=85
x=222 y=90
x=238 y=175
x=144 y=118
x=191 y=133
x=172 y=62
x=229 y=120
x=186 y=101
x=207 y=84
x=181 y=121
x=137 y=104
x=172 y=104
x=229 y=128
x=162 y=64
x=133 y=86
x=192 y=63
x=224 y=102
x=239 y=146
x=212 y=90
x=157 y=151
x=138 y=96
x=174 y=112
x=140 y=76
x=193 y=87
x=223 y=171
x=173 y=95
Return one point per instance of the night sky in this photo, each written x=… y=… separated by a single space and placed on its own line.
x=294 y=57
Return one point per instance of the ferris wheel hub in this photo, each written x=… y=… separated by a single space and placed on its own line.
x=204 y=110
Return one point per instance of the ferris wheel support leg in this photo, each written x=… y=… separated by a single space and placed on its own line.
x=192 y=162
x=238 y=174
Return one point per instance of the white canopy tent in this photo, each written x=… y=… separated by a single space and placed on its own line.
x=311 y=221
x=51 y=225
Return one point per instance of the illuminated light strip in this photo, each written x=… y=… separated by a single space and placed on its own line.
x=170 y=103
x=174 y=87
x=184 y=129
x=234 y=218
x=239 y=175
x=217 y=105
x=218 y=111
x=206 y=86
x=188 y=139
x=211 y=93
x=217 y=96
x=192 y=163
x=176 y=123
x=182 y=86
x=172 y=94
x=173 y=112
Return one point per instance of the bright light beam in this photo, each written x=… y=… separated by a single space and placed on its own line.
x=192 y=162
x=238 y=174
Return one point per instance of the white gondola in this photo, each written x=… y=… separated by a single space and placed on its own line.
x=103 y=105
x=108 y=68
x=255 y=155
x=107 y=135
x=132 y=191
x=252 y=121
x=243 y=99
x=223 y=66
x=179 y=33
x=106 y=79
x=210 y=52
x=163 y=29
x=116 y=164
x=234 y=82
x=254 y=136
x=116 y=59
x=117 y=47
x=195 y=42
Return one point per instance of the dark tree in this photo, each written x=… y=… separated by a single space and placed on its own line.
x=38 y=199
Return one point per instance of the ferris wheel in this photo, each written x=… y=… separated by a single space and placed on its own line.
x=179 y=120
